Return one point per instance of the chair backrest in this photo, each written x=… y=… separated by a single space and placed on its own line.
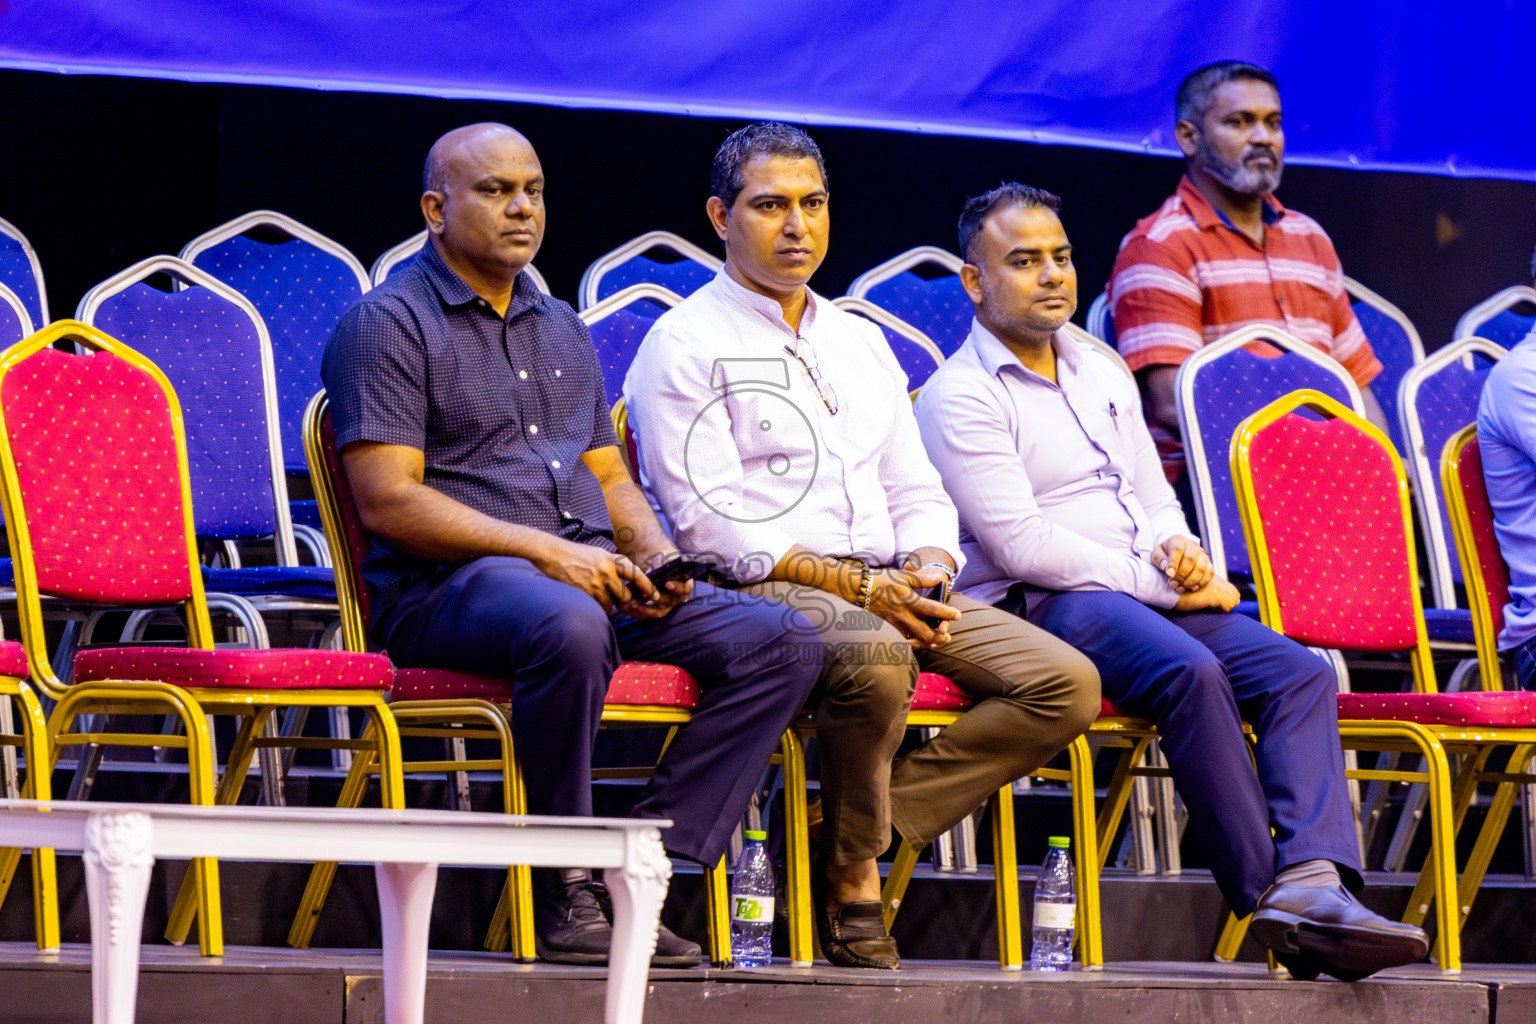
x=93 y=473
x=394 y=258
x=1217 y=388
x=1396 y=343
x=15 y=321
x=1435 y=400
x=932 y=301
x=1100 y=345
x=1101 y=319
x=1504 y=318
x=688 y=269
x=1329 y=529
x=344 y=532
x=212 y=344
x=22 y=273
x=301 y=282
x=913 y=349
x=1482 y=566
x=619 y=324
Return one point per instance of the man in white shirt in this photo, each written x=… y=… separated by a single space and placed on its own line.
x=1068 y=521
x=775 y=433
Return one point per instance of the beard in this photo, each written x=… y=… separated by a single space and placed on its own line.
x=1240 y=178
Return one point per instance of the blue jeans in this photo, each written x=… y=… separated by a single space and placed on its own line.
x=1198 y=676
x=756 y=661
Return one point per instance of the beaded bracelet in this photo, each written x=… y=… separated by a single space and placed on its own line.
x=946 y=570
x=866 y=587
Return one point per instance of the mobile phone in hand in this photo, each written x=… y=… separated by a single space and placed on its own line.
x=680 y=568
x=940 y=594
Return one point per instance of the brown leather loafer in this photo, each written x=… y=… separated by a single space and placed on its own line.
x=854 y=935
x=1327 y=928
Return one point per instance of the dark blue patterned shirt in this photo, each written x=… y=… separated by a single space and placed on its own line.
x=501 y=407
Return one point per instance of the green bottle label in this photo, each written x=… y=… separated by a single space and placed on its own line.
x=752 y=909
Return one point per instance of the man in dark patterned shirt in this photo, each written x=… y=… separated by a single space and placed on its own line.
x=509 y=539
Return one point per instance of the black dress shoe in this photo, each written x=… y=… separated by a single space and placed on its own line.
x=569 y=925
x=671 y=949
x=1326 y=927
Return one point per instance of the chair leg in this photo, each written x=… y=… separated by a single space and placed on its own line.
x=717 y=889
x=1443 y=849
x=205 y=870
x=1464 y=791
x=45 y=883
x=895 y=887
x=324 y=872
x=797 y=853
x=1117 y=795
x=1005 y=871
x=1231 y=938
x=236 y=767
x=1090 y=926
x=1488 y=838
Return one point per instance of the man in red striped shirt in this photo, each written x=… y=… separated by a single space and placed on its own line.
x=1222 y=253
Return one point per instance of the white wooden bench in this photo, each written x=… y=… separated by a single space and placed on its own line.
x=121 y=841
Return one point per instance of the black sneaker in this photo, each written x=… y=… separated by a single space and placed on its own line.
x=672 y=950
x=569 y=925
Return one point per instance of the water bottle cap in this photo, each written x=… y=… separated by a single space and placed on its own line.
x=759 y=836
x=1059 y=842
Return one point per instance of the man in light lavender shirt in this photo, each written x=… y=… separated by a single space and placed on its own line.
x=775 y=433
x=1068 y=522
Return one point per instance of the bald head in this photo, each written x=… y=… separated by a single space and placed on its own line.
x=454 y=147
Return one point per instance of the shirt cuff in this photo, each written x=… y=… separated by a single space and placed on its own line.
x=1152 y=586
x=934 y=531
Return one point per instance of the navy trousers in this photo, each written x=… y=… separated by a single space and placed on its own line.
x=755 y=660
x=1199 y=676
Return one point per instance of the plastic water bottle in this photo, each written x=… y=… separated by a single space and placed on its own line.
x=752 y=905
x=1055 y=910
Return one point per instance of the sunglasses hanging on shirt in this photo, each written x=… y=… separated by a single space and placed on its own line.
x=802 y=351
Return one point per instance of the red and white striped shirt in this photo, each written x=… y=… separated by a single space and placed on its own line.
x=1186 y=277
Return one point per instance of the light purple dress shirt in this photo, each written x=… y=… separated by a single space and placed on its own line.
x=1058 y=485
x=743 y=458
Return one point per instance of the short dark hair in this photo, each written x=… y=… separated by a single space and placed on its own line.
x=761 y=138
x=1194 y=94
x=1010 y=193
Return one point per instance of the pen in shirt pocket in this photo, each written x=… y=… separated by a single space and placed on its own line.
x=1114 y=414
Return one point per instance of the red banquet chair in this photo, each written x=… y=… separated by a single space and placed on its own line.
x=440 y=702
x=1482 y=566
x=33 y=743
x=108 y=521
x=1326 y=513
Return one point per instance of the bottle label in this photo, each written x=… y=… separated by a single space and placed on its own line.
x=752 y=909
x=1055 y=915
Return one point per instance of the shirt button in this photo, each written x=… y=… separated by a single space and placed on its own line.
x=533 y=428
x=522 y=374
x=566 y=515
x=481 y=303
x=556 y=463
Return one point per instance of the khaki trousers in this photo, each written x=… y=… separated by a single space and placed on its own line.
x=1033 y=695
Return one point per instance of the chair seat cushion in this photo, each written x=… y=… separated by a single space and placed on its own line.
x=1108 y=709
x=13 y=659
x=938 y=693
x=1448 y=624
x=281 y=669
x=446 y=684
x=287 y=580
x=644 y=682
x=634 y=683
x=1514 y=709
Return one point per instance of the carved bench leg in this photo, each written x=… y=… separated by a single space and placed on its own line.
x=118 y=858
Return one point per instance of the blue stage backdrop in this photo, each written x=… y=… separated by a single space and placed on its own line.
x=1381 y=84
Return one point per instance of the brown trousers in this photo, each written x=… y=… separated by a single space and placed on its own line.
x=1033 y=695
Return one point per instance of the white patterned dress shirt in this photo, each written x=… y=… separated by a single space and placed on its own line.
x=742 y=456
x=1058 y=485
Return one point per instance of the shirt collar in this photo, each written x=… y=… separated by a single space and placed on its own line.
x=994 y=355
x=452 y=289
x=738 y=293
x=1207 y=216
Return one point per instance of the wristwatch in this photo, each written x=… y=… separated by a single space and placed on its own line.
x=946 y=570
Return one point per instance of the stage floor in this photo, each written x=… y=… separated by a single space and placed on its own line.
x=264 y=985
